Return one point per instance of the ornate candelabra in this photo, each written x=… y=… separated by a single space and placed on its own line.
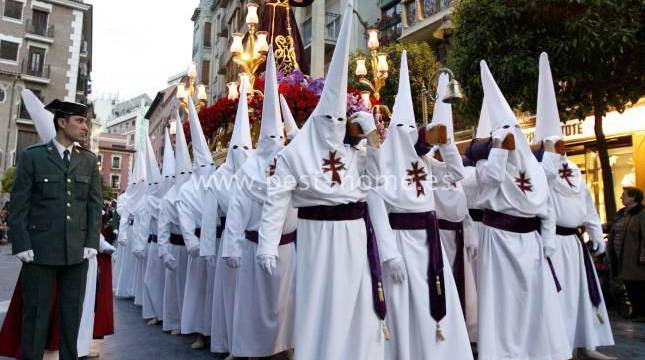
x=380 y=68
x=190 y=89
x=252 y=54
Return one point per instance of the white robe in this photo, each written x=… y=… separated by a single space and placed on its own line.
x=412 y=327
x=154 y=278
x=175 y=280
x=126 y=261
x=519 y=315
x=572 y=210
x=333 y=284
x=264 y=305
x=198 y=294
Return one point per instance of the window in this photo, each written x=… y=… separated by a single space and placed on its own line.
x=36 y=61
x=207 y=34
x=116 y=162
x=39 y=22
x=206 y=71
x=13 y=9
x=115 y=181
x=9 y=50
x=100 y=159
x=3 y=95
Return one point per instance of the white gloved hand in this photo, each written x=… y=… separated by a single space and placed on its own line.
x=365 y=120
x=599 y=247
x=549 y=251
x=26 y=256
x=115 y=231
x=396 y=269
x=233 y=262
x=193 y=251
x=139 y=254
x=212 y=261
x=169 y=261
x=89 y=253
x=501 y=133
x=121 y=242
x=268 y=263
x=107 y=248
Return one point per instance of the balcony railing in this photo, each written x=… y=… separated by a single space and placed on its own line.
x=332 y=28
x=431 y=7
x=39 y=29
x=36 y=71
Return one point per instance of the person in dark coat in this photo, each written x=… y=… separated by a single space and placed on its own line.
x=54 y=223
x=627 y=248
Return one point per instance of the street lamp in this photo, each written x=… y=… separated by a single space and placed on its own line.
x=380 y=68
x=252 y=54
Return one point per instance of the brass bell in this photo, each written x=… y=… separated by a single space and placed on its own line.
x=454 y=93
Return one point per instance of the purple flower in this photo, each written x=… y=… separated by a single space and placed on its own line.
x=316 y=86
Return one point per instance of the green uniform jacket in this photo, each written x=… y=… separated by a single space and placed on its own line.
x=55 y=211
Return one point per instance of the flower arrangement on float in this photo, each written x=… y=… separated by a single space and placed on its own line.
x=301 y=92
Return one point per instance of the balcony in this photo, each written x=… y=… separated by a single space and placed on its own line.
x=422 y=18
x=37 y=74
x=39 y=31
x=332 y=29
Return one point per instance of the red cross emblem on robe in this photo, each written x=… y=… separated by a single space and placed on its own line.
x=416 y=175
x=334 y=165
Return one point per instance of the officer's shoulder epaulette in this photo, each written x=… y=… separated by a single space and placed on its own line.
x=35 y=146
x=87 y=151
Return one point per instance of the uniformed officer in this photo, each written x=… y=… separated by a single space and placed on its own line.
x=54 y=220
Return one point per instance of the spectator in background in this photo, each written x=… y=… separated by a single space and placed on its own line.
x=627 y=248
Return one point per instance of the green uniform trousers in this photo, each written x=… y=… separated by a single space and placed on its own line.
x=38 y=283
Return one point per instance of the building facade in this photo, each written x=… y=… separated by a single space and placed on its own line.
x=162 y=114
x=45 y=46
x=124 y=117
x=115 y=160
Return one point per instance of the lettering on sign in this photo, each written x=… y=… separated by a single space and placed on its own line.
x=569 y=129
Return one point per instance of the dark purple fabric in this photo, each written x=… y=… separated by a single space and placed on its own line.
x=476 y=214
x=285 y=239
x=198 y=232
x=152 y=238
x=538 y=153
x=458 y=269
x=510 y=223
x=517 y=224
x=592 y=285
x=427 y=221
x=420 y=147
x=478 y=149
x=177 y=239
x=355 y=211
x=220 y=228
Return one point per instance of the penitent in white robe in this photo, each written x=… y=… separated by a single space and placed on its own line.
x=451 y=205
x=198 y=293
x=519 y=314
x=574 y=207
x=264 y=304
x=175 y=280
x=334 y=313
x=126 y=261
x=140 y=233
x=154 y=278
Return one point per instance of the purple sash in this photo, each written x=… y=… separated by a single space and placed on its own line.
x=518 y=224
x=354 y=211
x=285 y=239
x=152 y=238
x=177 y=239
x=220 y=228
x=592 y=285
x=458 y=270
x=476 y=214
x=436 y=286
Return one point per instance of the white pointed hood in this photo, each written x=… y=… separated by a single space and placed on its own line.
x=138 y=188
x=290 y=124
x=202 y=156
x=548 y=117
x=569 y=182
x=483 y=126
x=42 y=118
x=398 y=158
x=152 y=169
x=168 y=167
x=323 y=134
x=261 y=164
x=442 y=113
x=525 y=184
x=183 y=167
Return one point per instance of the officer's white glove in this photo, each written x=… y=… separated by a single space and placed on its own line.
x=169 y=261
x=212 y=261
x=193 y=251
x=549 y=251
x=89 y=253
x=105 y=247
x=501 y=133
x=396 y=269
x=365 y=120
x=26 y=256
x=115 y=231
x=233 y=262
x=599 y=247
x=139 y=254
x=268 y=263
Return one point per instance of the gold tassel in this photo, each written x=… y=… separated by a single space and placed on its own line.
x=386 y=332
x=381 y=296
x=438 y=284
x=440 y=336
x=602 y=321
